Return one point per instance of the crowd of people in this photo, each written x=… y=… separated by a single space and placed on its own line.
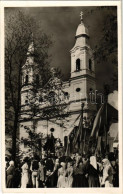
x=65 y=172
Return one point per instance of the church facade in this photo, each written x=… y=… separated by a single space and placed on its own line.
x=76 y=91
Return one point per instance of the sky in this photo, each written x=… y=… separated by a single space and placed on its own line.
x=61 y=23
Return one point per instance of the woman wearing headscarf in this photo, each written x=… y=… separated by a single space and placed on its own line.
x=107 y=174
x=61 y=176
x=10 y=172
x=93 y=173
x=79 y=179
x=25 y=174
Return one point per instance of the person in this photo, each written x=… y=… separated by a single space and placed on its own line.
x=25 y=174
x=61 y=176
x=112 y=160
x=49 y=164
x=34 y=169
x=10 y=173
x=116 y=175
x=79 y=172
x=17 y=177
x=107 y=180
x=41 y=174
x=30 y=174
x=69 y=175
x=93 y=173
x=54 y=174
x=99 y=159
x=76 y=173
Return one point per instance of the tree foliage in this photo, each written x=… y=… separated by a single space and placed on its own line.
x=18 y=35
x=106 y=48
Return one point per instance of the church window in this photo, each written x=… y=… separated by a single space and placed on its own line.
x=40 y=99
x=22 y=79
x=66 y=94
x=90 y=64
x=51 y=97
x=27 y=79
x=77 y=64
x=26 y=101
x=37 y=79
x=91 y=91
x=25 y=144
x=78 y=89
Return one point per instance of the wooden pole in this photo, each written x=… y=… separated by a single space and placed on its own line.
x=82 y=127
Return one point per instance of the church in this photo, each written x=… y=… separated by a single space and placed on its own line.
x=75 y=93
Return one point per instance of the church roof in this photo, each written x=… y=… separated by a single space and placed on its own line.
x=81 y=30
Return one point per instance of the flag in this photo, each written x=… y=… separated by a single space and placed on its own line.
x=97 y=122
x=106 y=115
x=79 y=137
x=68 y=147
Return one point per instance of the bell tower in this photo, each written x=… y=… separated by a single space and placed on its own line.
x=82 y=70
x=30 y=74
x=82 y=62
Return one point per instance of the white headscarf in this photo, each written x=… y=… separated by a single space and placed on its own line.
x=11 y=163
x=93 y=161
x=57 y=161
x=63 y=164
x=106 y=162
x=107 y=165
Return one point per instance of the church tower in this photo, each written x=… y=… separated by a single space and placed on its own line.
x=82 y=78
x=81 y=54
x=30 y=74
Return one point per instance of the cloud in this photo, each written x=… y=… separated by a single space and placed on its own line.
x=113 y=99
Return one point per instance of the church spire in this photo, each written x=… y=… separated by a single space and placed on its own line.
x=81 y=17
x=81 y=30
x=31 y=46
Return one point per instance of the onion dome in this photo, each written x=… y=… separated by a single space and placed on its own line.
x=81 y=30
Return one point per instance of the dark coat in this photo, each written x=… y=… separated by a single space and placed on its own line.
x=10 y=173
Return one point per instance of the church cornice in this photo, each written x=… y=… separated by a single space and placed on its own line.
x=82 y=76
x=79 y=47
x=82 y=35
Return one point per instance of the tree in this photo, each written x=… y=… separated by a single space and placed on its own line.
x=18 y=35
x=106 y=46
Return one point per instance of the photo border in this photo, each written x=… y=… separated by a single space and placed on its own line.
x=2 y=88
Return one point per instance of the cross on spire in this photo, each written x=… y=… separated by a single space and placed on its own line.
x=81 y=16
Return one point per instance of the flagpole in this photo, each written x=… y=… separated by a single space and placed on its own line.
x=83 y=142
x=106 y=87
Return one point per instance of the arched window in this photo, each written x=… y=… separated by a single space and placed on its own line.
x=66 y=95
x=51 y=97
x=27 y=79
x=40 y=99
x=90 y=64
x=37 y=79
x=77 y=64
